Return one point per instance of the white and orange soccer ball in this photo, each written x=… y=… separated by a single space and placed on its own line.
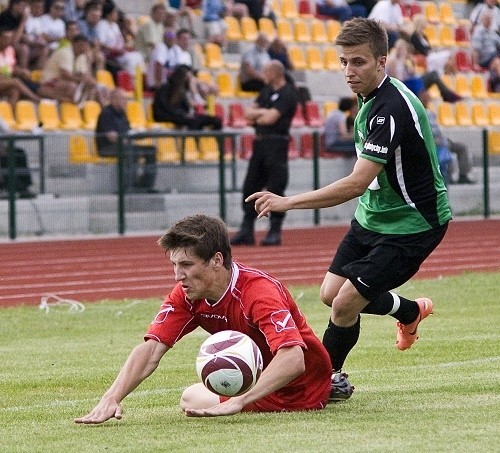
x=229 y=363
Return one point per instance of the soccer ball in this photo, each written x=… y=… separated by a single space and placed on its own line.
x=229 y=363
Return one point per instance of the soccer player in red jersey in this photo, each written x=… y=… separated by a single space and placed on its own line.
x=215 y=293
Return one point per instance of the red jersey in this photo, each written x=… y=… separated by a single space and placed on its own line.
x=258 y=305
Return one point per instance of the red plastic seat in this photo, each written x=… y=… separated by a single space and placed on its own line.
x=306 y=146
x=293 y=152
x=246 y=144
x=313 y=114
x=304 y=7
x=125 y=81
x=462 y=36
x=463 y=61
x=221 y=114
x=299 y=119
x=237 y=115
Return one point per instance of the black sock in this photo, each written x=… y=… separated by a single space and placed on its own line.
x=404 y=310
x=339 y=341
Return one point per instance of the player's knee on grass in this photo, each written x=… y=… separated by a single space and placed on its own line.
x=197 y=396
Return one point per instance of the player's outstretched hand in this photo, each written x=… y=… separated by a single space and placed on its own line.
x=102 y=412
x=229 y=407
x=267 y=202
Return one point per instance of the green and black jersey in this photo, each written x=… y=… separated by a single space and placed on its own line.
x=409 y=195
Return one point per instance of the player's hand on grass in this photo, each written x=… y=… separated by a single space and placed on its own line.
x=267 y=202
x=229 y=407
x=102 y=412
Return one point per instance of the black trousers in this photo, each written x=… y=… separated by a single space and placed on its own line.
x=267 y=169
x=22 y=176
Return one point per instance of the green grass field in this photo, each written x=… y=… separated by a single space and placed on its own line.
x=443 y=395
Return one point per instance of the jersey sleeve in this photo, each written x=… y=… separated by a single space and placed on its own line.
x=384 y=131
x=173 y=320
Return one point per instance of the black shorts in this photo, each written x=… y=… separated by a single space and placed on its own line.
x=376 y=263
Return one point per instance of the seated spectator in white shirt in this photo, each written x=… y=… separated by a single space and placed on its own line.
x=160 y=60
x=151 y=32
x=35 y=37
x=252 y=64
x=390 y=16
x=53 y=24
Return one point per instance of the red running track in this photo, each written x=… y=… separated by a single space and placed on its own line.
x=135 y=267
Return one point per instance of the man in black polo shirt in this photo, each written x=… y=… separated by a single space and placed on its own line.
x=271 y=115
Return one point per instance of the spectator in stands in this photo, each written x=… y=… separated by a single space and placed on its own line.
x=160 y=60
x=151 y=32
x=338 y=128
x=339 y=10
x=485 y=6
x=390 y=16
x=213 y=12
x=171 y=23
x=173 y=103
x=254 y=8
x=34 y=36
x=251 y=73
x=53 y=24
x=278 y=51
x=128 y=26
x=183 y=12
x=400 y=66
x=442 y=61
x=113 y=43
x=15 y=82
x=88 y=28
x=67 y=75
x=14 y=18
x=486 y=44
x=22 y=175
x=112 y=125
x=74 y=10
x=444 y=145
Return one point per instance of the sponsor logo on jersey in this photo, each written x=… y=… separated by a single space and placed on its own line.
x=162 y=314
x=213 y=316
x=282 y=320
x=375 y=148
x=380 y=120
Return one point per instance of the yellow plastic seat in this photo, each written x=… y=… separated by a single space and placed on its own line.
x=289 y=9
x=431 y=32
x=314 y=58
x=167 y=150
x=266 y=26
x=297 y=57
x=494 y=114
x=431 y=12
x=447 y=14
x=90 y=113
x=318 y=32
x=331 y=59
x=463 y=115
x=244 y=94
x=462 y=86
x=332 y=29
x=135 y=115
x=213 y=56
x=191 y=153
x=71 y=117
x=446 y=114
x=150 y=121
x=478 y=87
x=301 y=31
x=494 y=142
x=225 y=84
x=249 y=28
x=104 y=77
x=233 y=32
x=205 y=76
x=447 y=36
x=26 y=115
x=209 y=149
x=7 y=114
x=329 y=106
x=49 y=115
x=80 y=152
x=285 y=30
x=479 y=114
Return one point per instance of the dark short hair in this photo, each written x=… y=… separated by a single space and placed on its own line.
x=360 y=31
x=346 y=103
x=204 y=235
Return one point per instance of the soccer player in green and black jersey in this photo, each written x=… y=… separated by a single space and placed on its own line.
x=403 y=209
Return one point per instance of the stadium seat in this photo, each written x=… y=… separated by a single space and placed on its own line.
x=125 y=81
x=312 y=114
x=249 y=29
x=233 y=32
x=297 y=57
x=298 y=119
x=463 y=61
x=90 y=114
x=285 y=30
x=478 y=87
x=301 y=31
x=208 y=149
x=150 y=121
x=304 y=9
x=331 y=59
x=167 y=150
x=462 y=85
x=306 y=146
x=246 y=144
x=494 y=114
x=7 y=114
x=205 y=76
x=314 y=58
x=135 y=114
x=237 y=115
x=462 y=113
x=318 y=32
x=329 y=106
x=190 y=150
x=213 y=56
x=220 y=113
x=26 y=115
x=462 y=36
x=447 y=36
x=332 y=29
x=71 y=117
x=494 y=142
x=446 y=13
x=432 y=35
x=431 y=12
x=415 y=8
x=104 y=77
x=225 y=84
x=243 y=94
x=479 y=114
x=289 y=9
x=49 y=115
x=267 y=27
x=446 y=115
x=293 y=151
x=80 y=152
